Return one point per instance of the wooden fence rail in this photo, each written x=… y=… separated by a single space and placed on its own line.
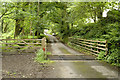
x=92 y=45
x=19 y=41
x=10 y=42
x=41 y=42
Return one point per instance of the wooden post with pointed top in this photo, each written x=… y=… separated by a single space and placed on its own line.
x=44 y=46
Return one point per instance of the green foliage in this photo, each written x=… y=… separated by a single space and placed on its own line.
x=40 y=56
x=101 y=55
x=82 y=19
x=23 y=19
x=41 y=36
x=113 y=57
x=31 y=37
x=48 y=53
x=105 y=29
x=24 y=48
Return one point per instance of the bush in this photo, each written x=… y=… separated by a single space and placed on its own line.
x=101 y=55
x=41 y=36
x=113 y=57
x=41 y=58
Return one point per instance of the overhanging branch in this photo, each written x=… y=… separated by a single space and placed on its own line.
x=5 y=14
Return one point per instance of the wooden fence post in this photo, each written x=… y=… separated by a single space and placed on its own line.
x=44 y=46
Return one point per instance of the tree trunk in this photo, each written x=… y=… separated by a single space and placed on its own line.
x=2 y=21
x=5 y=28
x=95 y=15
x=30 y=21
x=30 y=28
x=17 y=28
x=99 y=12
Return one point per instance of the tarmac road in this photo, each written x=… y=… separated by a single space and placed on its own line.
x=81 y=69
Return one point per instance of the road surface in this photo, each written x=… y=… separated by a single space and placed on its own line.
x=85 y=69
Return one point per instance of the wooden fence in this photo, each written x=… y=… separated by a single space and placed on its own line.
x=20 y=41
x=91 y=45
x=10 y=42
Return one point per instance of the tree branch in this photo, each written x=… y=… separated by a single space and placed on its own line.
x=5 y=14
x=10 y=18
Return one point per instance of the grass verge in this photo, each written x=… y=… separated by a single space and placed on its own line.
x=41 y=58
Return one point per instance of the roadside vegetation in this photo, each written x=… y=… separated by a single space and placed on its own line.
x=41 y=56
x=82 y=20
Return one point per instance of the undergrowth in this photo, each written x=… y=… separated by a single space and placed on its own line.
x=41 y=58
x=112 y=58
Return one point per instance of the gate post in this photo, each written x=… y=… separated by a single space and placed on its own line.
x=44 y=46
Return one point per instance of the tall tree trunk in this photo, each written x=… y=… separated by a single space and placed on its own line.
x=6 y=27
x=38 y=7
x=38 y=20
x=68 y=28
x=30 y=21
x=71 y=26
x=95 y=15
x=17 y=28
x=99 y=12
x=17 y=22
x=30 y=28
x=2 y=21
